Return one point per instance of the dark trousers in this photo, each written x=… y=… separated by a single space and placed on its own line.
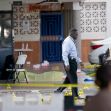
x=71 y=77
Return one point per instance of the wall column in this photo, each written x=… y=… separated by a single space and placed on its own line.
x=108 y=17
x=76 y=24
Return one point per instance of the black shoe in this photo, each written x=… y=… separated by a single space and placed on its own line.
x=60 y=90
x=57 y=91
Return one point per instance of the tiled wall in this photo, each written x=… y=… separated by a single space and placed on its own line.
x=26 y=21
x=26 y=24
x=93 y=24
x=27 y=31
x=93 y=20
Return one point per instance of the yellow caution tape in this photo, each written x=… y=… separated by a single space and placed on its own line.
x=46 y=85
x=91 y=66
x=92 y=74
x=8 y=87
x=67 y=93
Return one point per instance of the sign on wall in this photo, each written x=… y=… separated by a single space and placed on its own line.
x=44 y=7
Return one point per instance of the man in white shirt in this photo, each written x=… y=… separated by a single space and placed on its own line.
x=70 y=60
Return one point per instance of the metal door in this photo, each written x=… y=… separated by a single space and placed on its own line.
x=51 y=36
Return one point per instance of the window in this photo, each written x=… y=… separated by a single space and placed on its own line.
x=5 y=30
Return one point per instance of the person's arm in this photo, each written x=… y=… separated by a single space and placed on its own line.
x=65 y=53
x=80 y=63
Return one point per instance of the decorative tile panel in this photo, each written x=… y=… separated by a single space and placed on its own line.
x=93 y=18
x=26 y=24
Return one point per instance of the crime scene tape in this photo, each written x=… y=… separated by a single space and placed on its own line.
x=47 y=85
x=91 y=66
x=9 y=87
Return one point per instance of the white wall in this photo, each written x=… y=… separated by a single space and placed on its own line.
x=5 y=5
x=93 y=20
x=109 y=18
x=76 y=21
x=108 y=15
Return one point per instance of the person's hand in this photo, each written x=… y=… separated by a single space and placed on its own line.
x=67 y=68
x=81 y=65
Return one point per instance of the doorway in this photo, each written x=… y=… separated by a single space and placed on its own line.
x=51 y=36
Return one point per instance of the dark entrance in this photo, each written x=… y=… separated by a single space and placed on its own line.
x=51 y=35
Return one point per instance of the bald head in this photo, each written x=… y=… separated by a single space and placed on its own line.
x=73 y=33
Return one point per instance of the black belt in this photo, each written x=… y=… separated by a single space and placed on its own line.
x=72 y=58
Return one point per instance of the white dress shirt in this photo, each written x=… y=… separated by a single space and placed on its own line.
x=69 y=49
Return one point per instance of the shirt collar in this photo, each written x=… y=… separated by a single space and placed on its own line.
x=72 y=39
